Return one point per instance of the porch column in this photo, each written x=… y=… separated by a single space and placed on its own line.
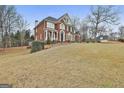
x=57 y=36
x=46 y=35
x=63 y=36
x=71 y=37
x=52 y=36
x=49 y=35
x=60 y=36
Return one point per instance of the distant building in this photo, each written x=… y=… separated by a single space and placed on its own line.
x=121 y=32
x=103 y=38
x=114 y=36
x=77 y=36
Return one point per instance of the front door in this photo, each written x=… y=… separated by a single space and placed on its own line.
x=61 y=36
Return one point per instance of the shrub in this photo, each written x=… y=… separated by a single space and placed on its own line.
x=77 y=41
x=37 y=46
x=98 y=41
x=73 y=42
x=28 y=47
x=68 y=41
x=121 y=40
x=49 y=41
x=53 y=42
x=93 y=41
x=87 y=41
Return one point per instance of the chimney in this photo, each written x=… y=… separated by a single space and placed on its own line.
x=36 y=23
x=35 y=31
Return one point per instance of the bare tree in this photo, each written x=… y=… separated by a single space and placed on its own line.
x=75 y=22
x=2 y=14
x=121 y=32
x=8 y=22
x=102 y=15
x=83 y=31
x=22 y=27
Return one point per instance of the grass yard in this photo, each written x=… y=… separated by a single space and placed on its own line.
x=73 y=65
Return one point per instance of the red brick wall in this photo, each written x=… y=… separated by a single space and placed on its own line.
x=58 y=27
x=40 y=31
x=41 y=26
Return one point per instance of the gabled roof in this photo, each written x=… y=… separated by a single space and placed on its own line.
x=49 y=18
x=52 y=19
x=63 y=16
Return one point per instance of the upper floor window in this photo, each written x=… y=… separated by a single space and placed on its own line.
x=67 y=20
x=50 y=25
x=62 y=26
x=74 y=31
x=67 y=28
x=70 y=29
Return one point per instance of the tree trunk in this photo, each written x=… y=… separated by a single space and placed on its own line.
x=96 y=30
x=2 y=37
x=9 y=38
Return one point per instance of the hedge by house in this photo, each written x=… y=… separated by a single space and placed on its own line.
x=121 y=40
x=37 y=46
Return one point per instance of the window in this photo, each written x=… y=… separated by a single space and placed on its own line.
x=67 y=28
x=50 y=25
x=67 y=20
x=74 y=31
x=70 y=29
x=62 y=26
x=40 y=36
x=101 y=38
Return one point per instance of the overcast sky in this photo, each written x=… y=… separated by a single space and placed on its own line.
x=38 y=12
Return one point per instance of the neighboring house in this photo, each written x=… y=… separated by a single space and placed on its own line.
x=60 y=29
x=103 y=38
x=121 y=32
x=114 y=36
x=77 y=36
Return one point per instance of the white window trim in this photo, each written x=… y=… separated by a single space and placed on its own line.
x=50 y=25
x=62 y=26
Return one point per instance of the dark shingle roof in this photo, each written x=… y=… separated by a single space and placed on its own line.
x=104 y=37
x=52 y=19
x=62 y=16
x=49 y=18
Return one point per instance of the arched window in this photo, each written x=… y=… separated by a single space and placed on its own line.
x=62 y=26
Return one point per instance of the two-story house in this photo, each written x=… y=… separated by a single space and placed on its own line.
x=60 y=29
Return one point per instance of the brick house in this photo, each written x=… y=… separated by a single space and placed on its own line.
x=60 y=30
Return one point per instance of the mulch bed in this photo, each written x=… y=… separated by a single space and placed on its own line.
x=12 y=49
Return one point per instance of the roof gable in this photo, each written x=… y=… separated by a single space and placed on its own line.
x=50 y=19
x=66 y=19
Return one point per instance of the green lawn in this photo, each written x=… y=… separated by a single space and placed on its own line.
x=74 y=65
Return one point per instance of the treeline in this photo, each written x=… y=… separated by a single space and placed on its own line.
x=13 y=27
x=21 y=38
